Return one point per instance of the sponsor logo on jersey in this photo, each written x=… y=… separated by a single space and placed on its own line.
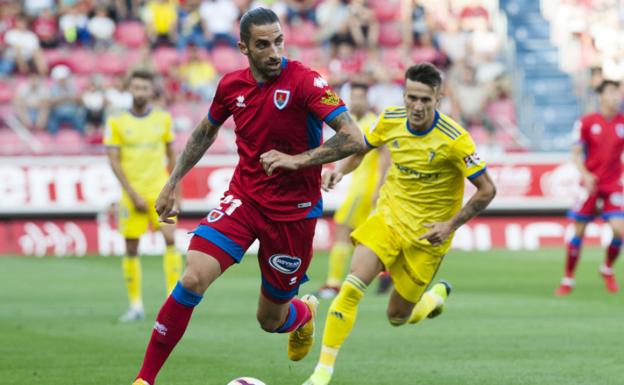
x=330 y=98
x=240 y=101
x=320 y=82
x=280 y=98
x=284 y=263
x=304 y=205
x=423 y=176
x=619 y=130
x=472 y=160
x=214 y=215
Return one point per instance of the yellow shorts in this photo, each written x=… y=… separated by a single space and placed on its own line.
x=133 y=224
x=354 y=210
x=411 y=268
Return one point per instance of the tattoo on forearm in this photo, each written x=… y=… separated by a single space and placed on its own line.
x=201 y=139
x=338 y=146
x=471 y=209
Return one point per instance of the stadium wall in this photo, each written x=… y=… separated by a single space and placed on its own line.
x=65 y=205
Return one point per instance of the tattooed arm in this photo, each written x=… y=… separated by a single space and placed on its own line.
x=486 y=191
x=201 y=139
x=348 y=140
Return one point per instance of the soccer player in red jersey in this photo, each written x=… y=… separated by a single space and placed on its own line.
x=274 y=196
x=597 y=155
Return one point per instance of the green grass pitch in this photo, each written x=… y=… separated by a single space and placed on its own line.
x=502 y=326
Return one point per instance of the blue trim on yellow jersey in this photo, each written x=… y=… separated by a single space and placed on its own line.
x=368 y=143
x=221 y=241
x=449 y=126
x=329 y=117
x=185 y=297
x=317 y=210
x=315 y=129
x=428 y=130
x=213 y=120
x=445 y=132
x=476 y=174
x=282 y=295
x=149 y=111
x=292 y=316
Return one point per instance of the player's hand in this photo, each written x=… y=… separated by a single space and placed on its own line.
x=166 y=204
x=330 y=179
x=438 y=232
x=273 y=159
x=139 y=203
x=589 y=181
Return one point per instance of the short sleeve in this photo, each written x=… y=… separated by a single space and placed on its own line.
x=168 y=136
x=376 y=134
x=320 y=98
x=219 y=112
x=112 y=136
x=465 y=157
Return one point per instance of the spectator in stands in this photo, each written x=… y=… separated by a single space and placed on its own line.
x=363 y=25
x=453 y=41
x=414 y=22
x=331 y=16
x=34 y=8
x=118 y=98
x=46 y=29
x=218 y=20
x=94 y=103
x=190 y=29
x=198 y=76
x=65 y=103
x=101 y=28
x=344 y=65
x=73 y=24
x=128 y=9
x=469 y=99
x=160 y=20
x=23 y=48
x=385 y=91
x=30 y=103
x=300 y=10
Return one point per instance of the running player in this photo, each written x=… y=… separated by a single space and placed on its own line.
x=597 y=155
x=274 y=195
x=419 y=208
x=139 y=145
x=360 y=198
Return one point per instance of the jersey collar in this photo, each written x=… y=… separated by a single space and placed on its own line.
x=149 y=110
x=423 y=133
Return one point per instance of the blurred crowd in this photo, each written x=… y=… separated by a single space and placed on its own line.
x=62 y=62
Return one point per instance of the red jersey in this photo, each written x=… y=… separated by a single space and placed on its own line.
x=284 y=114
x=603 y=142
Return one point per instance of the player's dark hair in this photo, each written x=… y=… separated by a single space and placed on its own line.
x=359 y=85
x=425 y=73
x=256 y=16
x=605 y=83
x=141 y=73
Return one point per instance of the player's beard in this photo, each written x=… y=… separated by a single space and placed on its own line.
x=139 y=103
x=264 y=69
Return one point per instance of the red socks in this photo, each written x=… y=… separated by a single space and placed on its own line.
x=298 y=314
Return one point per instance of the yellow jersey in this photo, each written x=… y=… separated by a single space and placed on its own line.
x=142 y=142
x=426 y=181
x=364 y=178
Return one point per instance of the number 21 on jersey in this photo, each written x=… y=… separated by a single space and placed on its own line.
x=227 y=206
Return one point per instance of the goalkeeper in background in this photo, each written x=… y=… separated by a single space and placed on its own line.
x=139 y=146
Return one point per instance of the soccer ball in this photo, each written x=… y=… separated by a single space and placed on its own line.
x=246 y=381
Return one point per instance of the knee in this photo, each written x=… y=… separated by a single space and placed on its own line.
x=397 y=317
x=192 y=280
x=269 y=323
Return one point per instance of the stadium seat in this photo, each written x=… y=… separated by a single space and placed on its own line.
x=68 y=142
x=10 y=143
x=45 y=143
x=131 y=34
x=6 y=91
x=226 y=59
x=165 y=58
x=81 y=61
x=390 y=34
x=301 y=34
x=392 y=59
x=111 y=63
x=424 y=54
x=386 y=10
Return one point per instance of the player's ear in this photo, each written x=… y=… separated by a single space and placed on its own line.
x=243 y=48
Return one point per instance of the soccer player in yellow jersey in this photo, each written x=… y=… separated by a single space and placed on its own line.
x=139 y=145
x=419 y=208
x=361 y=196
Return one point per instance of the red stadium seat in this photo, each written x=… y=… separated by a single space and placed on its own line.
x=44 y=143
x=68 y=142
x=390 y=34
x=226 y=59
x=131 y=34
x=392 y=59
x=424 y=54
x=111 y=63
x=81 y=61
x=386 y=10
x=6 y=91
x=11 y=144
x=302 y=34
x=165 y=58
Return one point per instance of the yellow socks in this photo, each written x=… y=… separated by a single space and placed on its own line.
x=132 y=274
x=172 y=265
x=431 y=303
x=340 y=319
x=337 y=261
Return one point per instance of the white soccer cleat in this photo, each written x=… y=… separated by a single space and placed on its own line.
x=133 y=314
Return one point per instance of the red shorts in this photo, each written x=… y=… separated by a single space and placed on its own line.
x=285 y=247
x=610 y=203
